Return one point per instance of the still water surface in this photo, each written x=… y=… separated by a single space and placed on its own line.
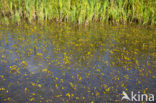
x=62 y=63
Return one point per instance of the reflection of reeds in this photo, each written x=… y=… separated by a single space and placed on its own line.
x=78 y=11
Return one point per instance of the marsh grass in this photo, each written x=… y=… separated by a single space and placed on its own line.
x=78 y=11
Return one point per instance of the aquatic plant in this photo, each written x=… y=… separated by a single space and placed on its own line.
x=58 y=63
x=78 y=11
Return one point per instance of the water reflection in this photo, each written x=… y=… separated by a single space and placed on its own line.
x=68 y=64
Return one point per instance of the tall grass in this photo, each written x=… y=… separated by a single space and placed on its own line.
x=78 y=11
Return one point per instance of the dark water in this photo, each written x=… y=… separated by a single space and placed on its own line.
x=69 y=64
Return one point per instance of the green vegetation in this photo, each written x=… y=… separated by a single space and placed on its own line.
x=78 y=11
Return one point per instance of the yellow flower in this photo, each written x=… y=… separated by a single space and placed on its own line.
x=4 y=100
x=31 y=99
x=71 y=84
x=56 y=86
x=77 y=98
x=72 y=94
x=63 y=74
x=111 y=52
x=59 y=96
x=68 y=95
x=126 y=76
x=9 y=98
x=33 y=84
x=56 y=78
x=107 y=90
x=39 y=54
x=102 y=74
x=88 y=53
x=80 y=79
x=33 y=94
x=25 y=89
x=45 y=70
x=23 y=63
x=2 y=89
x=2 y=76
x=97 y=94
x=61 y=80
x=7 y=91
x=25 y=74
x=2 y=56
x=105 y=85
x=89 y=91
x=35 y=27
x=39 y=85
x=98 y=70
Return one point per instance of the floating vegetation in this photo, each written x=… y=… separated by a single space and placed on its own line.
x=78 y=11
x=64 y=64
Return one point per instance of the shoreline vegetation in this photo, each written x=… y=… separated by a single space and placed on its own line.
x=78 y=11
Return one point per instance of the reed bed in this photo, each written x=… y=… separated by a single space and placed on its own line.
x=78 y=11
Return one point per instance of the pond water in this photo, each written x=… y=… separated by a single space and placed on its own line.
x=75 y=64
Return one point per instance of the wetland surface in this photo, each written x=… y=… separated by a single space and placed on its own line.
x=70 y=64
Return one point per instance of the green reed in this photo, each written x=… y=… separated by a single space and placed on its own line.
x=78 y=11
